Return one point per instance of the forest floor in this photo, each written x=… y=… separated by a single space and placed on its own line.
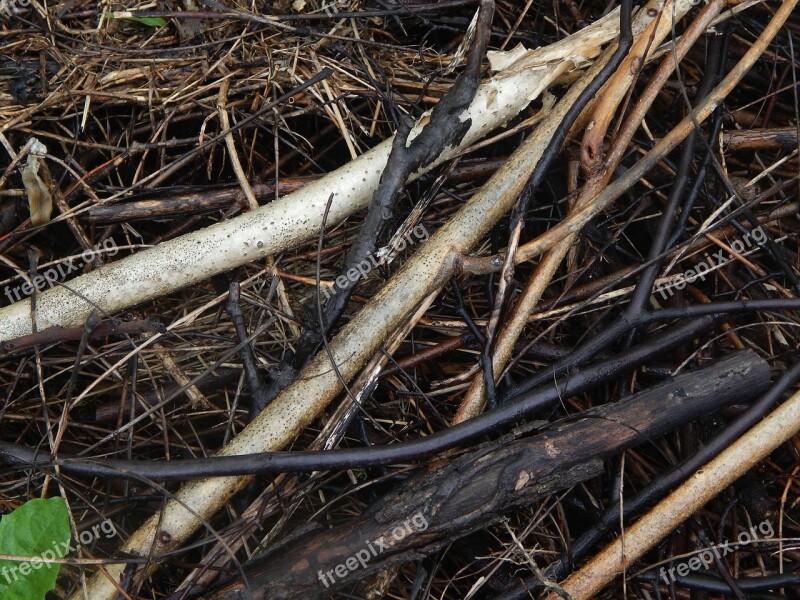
x=648 y=257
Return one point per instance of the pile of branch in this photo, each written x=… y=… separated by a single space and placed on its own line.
x=279 y=322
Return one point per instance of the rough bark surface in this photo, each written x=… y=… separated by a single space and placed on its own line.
x=474 y=489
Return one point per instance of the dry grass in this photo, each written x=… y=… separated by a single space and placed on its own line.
x=130 y=111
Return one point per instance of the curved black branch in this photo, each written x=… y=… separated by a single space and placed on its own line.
x=271 y=462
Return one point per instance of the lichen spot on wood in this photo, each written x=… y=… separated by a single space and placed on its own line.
x=550 y=448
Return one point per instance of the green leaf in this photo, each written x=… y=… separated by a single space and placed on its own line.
x=148 y=21
x=38 y=529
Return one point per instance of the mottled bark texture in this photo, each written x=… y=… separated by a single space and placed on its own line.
x=476 y=488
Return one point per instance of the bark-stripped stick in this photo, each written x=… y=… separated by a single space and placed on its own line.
x=704 y=485
x=297 y=217
x=329 y=437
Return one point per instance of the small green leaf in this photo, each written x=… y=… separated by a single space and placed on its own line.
x=38 y=529
x=148 y=21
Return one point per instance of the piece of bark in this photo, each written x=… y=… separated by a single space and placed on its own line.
x=475 y=489
x=190 y=201
x=761 y=139
x=107 y=328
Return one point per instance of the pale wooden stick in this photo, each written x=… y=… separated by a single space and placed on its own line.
x=296 y=218
x=704 y=485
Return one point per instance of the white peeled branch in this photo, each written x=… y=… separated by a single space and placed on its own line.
x=292 y=219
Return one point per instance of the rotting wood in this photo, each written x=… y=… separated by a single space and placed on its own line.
x=474 y=489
